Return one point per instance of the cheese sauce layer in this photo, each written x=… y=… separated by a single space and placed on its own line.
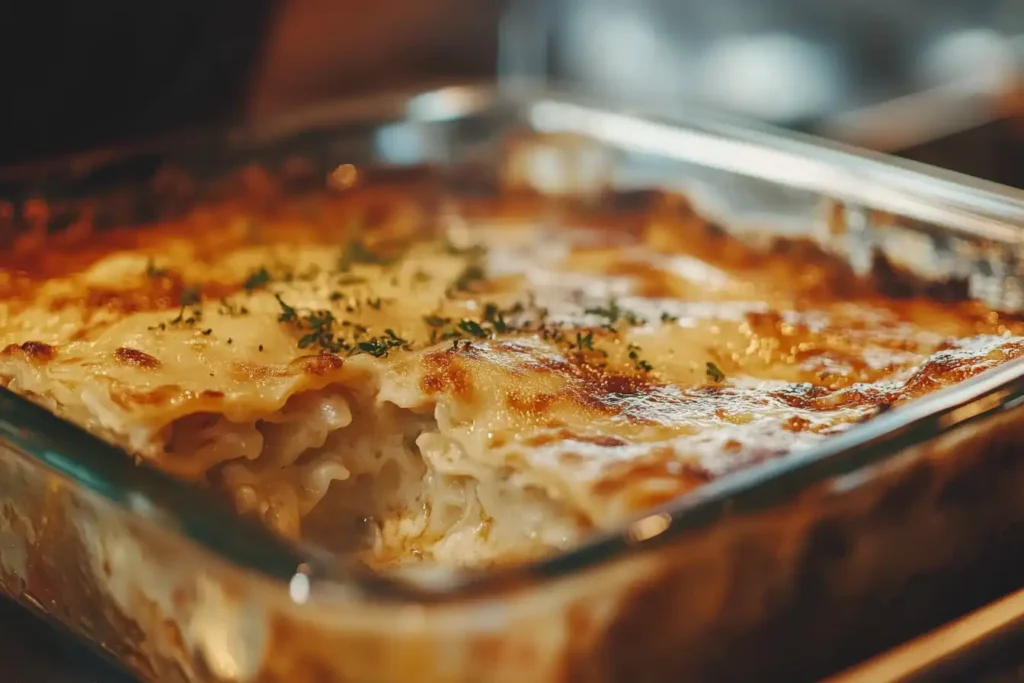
x=477 y=388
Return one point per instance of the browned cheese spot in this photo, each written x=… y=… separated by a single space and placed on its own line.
x=34 y=350
x=135 y=358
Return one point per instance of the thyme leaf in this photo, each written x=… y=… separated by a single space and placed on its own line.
x=356 y=252
x=474 y=251
x=288 y=314
x=469 y=277
x=152 y=271
x=714 y=373
x=638 y=362
x=257 y=279
x=585 y=342
x=190 y=296
x=473 y=328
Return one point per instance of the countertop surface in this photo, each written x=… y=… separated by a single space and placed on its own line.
x=34 y=652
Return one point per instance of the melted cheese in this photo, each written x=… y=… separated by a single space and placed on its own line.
x=477 y=405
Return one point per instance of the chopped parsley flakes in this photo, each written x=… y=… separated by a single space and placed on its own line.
x=152 y=271
x=470 y=276
x=322 y=329
x=257 y=279
x=638 y=362
x=194 y=316
x=190 y=296
x=613 y=314
x=473 y=328
x=585 y=342
x=225 y=307
x=356 y=252
x=288 y=314
x=496 y=317
x=714 y=373
x=321 y=332
x=379 y=347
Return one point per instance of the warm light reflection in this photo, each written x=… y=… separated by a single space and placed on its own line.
x=975 y=408
x=299 y=586
x=786 y=163
x=649 y=527
x=298 y=589
x=446 y=104
x=343 y=177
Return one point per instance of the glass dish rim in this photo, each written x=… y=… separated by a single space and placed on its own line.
x=144 y=493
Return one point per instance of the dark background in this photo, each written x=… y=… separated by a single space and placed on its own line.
x=84 y=75
x=79 y=75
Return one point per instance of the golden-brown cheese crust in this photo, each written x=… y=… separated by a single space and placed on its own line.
x=624 y=365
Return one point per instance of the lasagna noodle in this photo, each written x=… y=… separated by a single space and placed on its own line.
x=489 y=395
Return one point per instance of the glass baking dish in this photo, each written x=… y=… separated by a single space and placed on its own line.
x=718 y=585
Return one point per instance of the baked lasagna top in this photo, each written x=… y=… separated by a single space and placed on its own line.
x=470 y=384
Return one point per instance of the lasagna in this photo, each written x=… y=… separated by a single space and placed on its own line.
x=464 y=384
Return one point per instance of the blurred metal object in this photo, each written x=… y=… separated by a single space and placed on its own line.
x=320 y=50
x=878 y=73
x=955 y=652
x=983 y=71
x=991 y=151
x=523 y=43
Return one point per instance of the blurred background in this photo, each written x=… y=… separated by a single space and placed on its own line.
x=895 y=76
